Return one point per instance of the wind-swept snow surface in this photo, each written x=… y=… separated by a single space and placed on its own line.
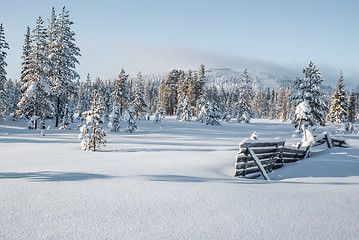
x=171 y=180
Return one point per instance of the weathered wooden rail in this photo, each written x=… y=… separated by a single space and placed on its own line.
x=257 y=158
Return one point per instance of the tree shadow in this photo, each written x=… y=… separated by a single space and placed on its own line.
x=52 y=176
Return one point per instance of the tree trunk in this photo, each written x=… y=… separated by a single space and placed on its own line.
x=57 y=112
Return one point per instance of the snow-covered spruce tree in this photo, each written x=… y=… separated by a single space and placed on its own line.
x=63 y=55
x=12 y=97
x=338 y=106
x=245 y=98
x=139 y=103
x=35 y=101
x=87 y=94
x=66 y=119
x=120 y=92
x=3 y=45
x=184 y=111
x=202 y=108
x=213 y=116
x=171 y=92
x=26 y=58
x=256 y=99
x=107 y=99
x=351 y=107
x=92 y=133
x=201 y=81
x=163 y=95
x=208 y=112
x=273 y=106
x=129 y=118
x=308 y=89
x=115 y=117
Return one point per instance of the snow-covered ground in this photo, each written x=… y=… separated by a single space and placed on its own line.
x=172 y=180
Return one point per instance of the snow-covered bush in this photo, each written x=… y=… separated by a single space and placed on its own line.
x=303 y=120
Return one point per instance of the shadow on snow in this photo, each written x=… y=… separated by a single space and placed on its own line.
x=50 y=176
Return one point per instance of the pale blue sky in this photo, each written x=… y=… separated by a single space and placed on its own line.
x=159 y=35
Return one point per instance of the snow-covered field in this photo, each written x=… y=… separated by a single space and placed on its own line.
x=172 y=180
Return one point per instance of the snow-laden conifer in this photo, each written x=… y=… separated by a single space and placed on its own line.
x=114 y=118
x=338 y=107
x=244 y=104
x=308 y=89
x=351 y=107
x=129 y=118
x=120 y=92
x=139 y=103
x=35 y=101
x=3 y=45
x=184 y=112
x=92 y=133
x=63 y=54
x=66 y=119
x=208 y=112
x=26 y=59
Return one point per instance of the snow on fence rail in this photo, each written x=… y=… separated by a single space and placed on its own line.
x=256 y=158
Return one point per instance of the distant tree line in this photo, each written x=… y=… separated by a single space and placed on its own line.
x=49 y=88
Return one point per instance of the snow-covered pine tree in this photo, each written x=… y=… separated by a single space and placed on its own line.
x=256 y=99
x=11 y=92
x=87 y=95
x=187 y=111
x=201 y=81
x=182 y=89
x=163 y=95
x=26 y=58
x=308 y=89
x=352 y=107
x=245 y=98
x=266 y=97
x=63 y=55
x=129 y=118
x=272 y=105
x=66 y=119
x=120 y=92
x=212 y=114
x=222 y=105
x=35 y=101
x=208 y=111
x=183 y=109
x=202 y=108
x=115 y=117
x=139 y=103
x=92 y=133
x=107 y=98
x=190 y=82
x=179 y=109
x=3 y=45
x=172 y=84
x=338 y=106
